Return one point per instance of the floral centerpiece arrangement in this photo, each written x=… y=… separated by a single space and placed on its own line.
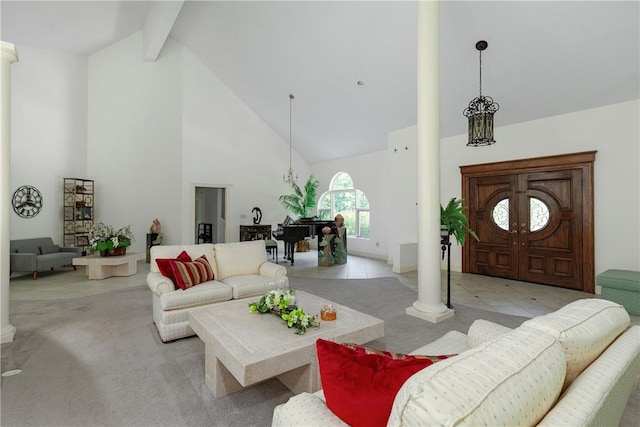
x=282 y=302
x=108 y=241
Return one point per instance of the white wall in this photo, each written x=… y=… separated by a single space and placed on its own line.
x=613 y=130
x=226 y=144
x=402 y=209
x=146 y=133
x=134 y=138
x=157 y=130
x=48 y=133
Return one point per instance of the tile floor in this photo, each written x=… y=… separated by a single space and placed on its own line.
x=483 y=292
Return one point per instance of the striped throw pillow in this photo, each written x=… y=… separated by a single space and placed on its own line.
x=192 y=273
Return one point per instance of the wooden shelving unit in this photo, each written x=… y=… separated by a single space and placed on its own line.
x=79 y=211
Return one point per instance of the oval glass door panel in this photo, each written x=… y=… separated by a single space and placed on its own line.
x=538 y=214
x=500 y=214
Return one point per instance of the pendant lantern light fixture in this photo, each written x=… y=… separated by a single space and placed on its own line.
x=290 y=177
x=480 y=112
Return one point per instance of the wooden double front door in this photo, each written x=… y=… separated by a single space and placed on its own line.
x=534 y=219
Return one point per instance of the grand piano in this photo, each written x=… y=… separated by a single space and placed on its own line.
x=296 y=231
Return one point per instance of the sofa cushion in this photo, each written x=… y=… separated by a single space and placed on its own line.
x=252 y=284
x=189 y=274
x=305 y=409
x=584 y=328
x=205 y=293
x=512 y=380
x=239 y=258
x=453 y=342
x=360 y=384
x=49 y=249
x=482 y=331
x=164 y=265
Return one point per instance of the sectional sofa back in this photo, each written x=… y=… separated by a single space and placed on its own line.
x=30 y=245
x=226 y=259
x=585 y=328
x=239 y=258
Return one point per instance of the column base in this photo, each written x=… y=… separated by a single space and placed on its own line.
x=8 y=334
x=431 y=317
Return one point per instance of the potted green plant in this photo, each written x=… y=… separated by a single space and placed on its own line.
x=302 y=200
x=454 y=221
x=108 y=241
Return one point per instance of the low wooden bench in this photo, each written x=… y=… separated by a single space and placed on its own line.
x=623 y=287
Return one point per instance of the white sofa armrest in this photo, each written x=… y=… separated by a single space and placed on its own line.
x=599 y=395
x=159 y=284
x=272 y=270
x=307 y=410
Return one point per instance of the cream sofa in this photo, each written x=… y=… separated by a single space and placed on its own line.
x=241 y=270
x=576 y=366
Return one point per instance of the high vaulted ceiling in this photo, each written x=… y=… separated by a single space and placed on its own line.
x=544 y=58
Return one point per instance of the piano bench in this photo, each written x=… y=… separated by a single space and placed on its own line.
x=271 y=246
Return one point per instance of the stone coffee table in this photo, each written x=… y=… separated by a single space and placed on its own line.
x=243 y=348
x=102 y=267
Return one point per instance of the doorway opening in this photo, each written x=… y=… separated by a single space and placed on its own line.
x=210 y=213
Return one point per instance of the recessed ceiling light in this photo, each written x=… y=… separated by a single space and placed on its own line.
x=360 y=83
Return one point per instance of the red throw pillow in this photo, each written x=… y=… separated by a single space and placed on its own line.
x=164 y=265
x=360 y=384
x=189 y=274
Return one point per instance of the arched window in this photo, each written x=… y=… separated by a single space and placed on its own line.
x=343 y=198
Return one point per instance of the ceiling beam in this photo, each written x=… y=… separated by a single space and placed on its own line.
x=157 y=25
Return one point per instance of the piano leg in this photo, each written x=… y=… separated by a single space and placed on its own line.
x=292 y=249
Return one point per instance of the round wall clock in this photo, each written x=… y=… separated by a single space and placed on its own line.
x=27 y=201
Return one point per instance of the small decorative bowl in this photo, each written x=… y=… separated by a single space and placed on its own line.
x=328 y=313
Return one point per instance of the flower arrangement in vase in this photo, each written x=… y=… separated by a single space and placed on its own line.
x=282 y=302
x=108 y=241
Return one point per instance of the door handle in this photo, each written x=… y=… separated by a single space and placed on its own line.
x=514 y=231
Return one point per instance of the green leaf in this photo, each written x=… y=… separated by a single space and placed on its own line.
x=301 y=201
x=455 y=220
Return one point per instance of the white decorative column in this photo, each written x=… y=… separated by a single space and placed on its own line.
x=429 y=305
x=8 y=56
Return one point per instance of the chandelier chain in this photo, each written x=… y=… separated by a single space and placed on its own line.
x=290 y=177
x=480 y=74
x=290 y=118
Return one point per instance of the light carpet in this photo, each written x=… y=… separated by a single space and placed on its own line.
x=98 y=360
